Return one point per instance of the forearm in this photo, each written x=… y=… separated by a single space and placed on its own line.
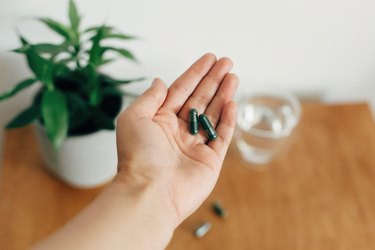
x=127 y=215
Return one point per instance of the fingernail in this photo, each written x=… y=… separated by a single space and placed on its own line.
x=154 y=82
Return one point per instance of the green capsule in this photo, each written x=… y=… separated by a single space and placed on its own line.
x=207 y=126
x=193 y=121
x=219 y=210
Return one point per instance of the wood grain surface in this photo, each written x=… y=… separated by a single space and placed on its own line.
x=318 y=194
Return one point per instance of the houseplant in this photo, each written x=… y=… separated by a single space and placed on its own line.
x=74 y=98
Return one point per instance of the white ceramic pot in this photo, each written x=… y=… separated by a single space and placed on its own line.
x=83 y=161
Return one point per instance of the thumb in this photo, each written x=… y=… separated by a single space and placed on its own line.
x=151 y=100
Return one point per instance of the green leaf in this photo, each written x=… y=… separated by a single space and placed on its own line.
x=59 y=28
x=123 y=52
x=23 y=49
x=74 y=16
x=24 y=118
x=25 y=45
x=55 y=116
x=96 y=51
x=120 y=36
x=111 y=81
x=20 y=86
x=105 y=29
x=42 y=48
x=23 y=40
x=93 y=85
x=48 y=48
x=109 y=32
x=95 y=54
x=42 y=68
x=106 y=61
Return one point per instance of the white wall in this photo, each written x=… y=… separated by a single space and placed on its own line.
x=325 y=46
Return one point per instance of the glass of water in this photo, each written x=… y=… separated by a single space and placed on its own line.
x=266 y=119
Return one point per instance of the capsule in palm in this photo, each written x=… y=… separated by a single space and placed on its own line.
x=207 y=126
x=193 y=121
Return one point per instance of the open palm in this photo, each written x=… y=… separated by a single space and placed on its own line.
x=154 y=142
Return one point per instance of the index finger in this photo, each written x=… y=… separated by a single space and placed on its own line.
x=184 y=86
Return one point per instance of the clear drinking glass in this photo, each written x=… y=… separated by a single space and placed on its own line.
x=266 y=118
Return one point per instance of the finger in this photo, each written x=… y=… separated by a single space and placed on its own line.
x=225 y=130
x=207 y=89
x=223 y=95
x=215 y=108
x=150 y=101
x=182 y=88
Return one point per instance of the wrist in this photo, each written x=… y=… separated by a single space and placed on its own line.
x=151 y=202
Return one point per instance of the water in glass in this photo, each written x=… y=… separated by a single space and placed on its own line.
x=264 y=123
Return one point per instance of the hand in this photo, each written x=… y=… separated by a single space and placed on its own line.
x=155 y=146
x=165 y=173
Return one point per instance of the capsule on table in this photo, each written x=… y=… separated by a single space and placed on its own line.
x=202 y=229
x=219 y=210
x=193 y=121
x=207 y=126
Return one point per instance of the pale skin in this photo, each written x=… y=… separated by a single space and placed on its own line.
x=165 y=173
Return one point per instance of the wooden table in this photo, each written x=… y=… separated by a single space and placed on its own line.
x=320 y=194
